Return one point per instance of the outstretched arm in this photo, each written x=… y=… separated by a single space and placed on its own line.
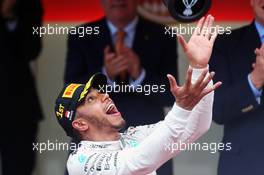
x=190 y=116
x=198 y=51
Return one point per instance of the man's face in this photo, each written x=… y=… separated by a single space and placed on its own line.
x=100 y=112
x=258 y=7
x=120 y=9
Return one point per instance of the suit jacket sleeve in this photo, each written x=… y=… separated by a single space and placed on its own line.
x=235 y=97
x=31 y=44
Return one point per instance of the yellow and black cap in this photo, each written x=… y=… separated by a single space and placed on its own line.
x=71 y=96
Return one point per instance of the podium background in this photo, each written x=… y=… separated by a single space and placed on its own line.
x=49 y=70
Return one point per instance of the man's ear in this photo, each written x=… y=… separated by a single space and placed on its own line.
x=80 y=124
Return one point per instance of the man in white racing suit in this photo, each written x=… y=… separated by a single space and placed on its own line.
x=86 y=112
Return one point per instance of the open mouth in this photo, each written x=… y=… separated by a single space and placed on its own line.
x=112 y=110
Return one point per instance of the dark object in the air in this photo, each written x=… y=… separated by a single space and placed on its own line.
x=187 y=10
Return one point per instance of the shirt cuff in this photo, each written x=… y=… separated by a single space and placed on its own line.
x=197 y=72
x=257 y=93
x=109 y=81
x=139 y=80
x=176 y=109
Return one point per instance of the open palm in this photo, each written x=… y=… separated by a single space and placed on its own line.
x=199 y=48
x=189 y=95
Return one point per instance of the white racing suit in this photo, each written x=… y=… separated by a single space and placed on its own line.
x=142 y=150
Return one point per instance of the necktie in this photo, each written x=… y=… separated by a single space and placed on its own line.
x=119 y=45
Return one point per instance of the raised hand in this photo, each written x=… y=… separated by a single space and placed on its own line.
x=257 y=75
x=188 y=95
x=114 y=64
x=134 y=64
x=199 y=49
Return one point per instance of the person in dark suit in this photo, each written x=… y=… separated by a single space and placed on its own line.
x=239 y=64
x=20 y=105
x=145 y=58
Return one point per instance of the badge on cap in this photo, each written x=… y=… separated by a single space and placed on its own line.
x=69 y=91
x=187 y=10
